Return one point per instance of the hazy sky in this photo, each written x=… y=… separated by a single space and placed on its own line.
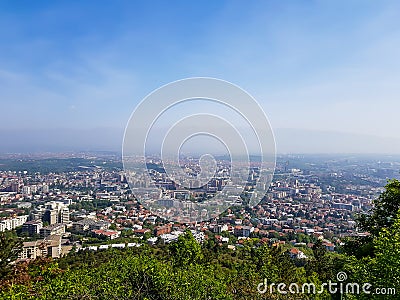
x=326 y=66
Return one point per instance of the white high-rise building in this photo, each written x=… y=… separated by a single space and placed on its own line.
x=12 y=223
x=26 y=190
x=33 y=189
x=45 y=188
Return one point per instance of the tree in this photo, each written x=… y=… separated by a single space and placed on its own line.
x=186 y=250
x=10 y=247
x=382 y=270
x=322 y=263
x=382 y=216
x=384 y=210
x=387 y=256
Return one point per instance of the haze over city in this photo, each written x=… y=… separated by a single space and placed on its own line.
x=325 y=73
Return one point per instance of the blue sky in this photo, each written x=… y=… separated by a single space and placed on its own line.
x=331 y=66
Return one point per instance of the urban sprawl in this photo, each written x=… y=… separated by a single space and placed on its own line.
x=92 y=207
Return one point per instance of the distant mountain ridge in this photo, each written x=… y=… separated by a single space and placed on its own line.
x=288 y=140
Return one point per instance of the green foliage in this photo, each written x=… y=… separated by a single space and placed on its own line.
x=384 y=211
x=387 y=258
x=130 y=277
x=382 y=270
x=10 y=247
x=321 y=263
x=359 y=246
x=381 y=217
x=152 y=273
x=186 y=250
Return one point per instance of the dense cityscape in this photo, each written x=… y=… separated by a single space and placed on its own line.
x=91 y=206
